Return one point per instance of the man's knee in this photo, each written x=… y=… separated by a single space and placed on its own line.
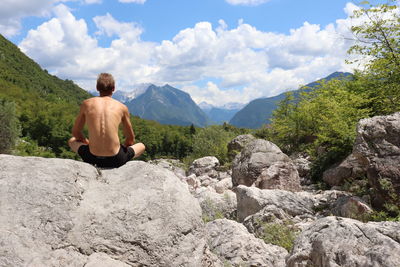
x=71 y=141
x=139 y=148
x=74 y=144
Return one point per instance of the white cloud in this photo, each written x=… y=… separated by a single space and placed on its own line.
x=243 y=63
x=133 y=1
x=247 y=2
x=12 y=11
x=93 y=1
x=111 y=27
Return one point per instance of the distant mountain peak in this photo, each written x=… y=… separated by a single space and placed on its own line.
x=167 y=105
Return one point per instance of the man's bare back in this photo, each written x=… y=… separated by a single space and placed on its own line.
x=103 y=115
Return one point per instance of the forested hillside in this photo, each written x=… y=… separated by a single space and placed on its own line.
x=44 y=104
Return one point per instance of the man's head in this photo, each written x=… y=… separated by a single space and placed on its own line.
x=105 y=83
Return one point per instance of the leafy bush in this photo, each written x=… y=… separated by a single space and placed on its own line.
x=212 y=141
x=282 y=235
x=321 y=122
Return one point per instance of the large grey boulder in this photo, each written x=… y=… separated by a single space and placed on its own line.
x=263 y=164
x=238 y=143
x=351 y=207
x=56 y=212
x=173 y=165
x=334 y=241
x=303 y=165
x=215 y=205
x=204 y=166
x=237 y=247
x=377 y=146
x=376 y=155
x=251 y=200
x=256 y=207
x=350 y=169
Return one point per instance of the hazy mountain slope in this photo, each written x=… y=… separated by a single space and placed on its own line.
x=259 y=111
x=219 y=115
x=167 y=105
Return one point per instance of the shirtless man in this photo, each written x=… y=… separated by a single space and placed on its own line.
x=103 y=116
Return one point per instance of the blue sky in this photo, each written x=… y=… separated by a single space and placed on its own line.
x=219 y=51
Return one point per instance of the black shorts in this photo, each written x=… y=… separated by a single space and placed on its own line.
x=124 y=155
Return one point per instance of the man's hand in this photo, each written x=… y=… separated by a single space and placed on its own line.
x=84 y=140
x=128 y=143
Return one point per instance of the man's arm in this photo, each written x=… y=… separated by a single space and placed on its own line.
x=127 y=128
x=78 y=126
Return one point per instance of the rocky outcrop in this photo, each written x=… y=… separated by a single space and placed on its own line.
x=173 y=165
x=351 y=207
x=204 y=167
x=263 y=164
x=237 y=247
x=256 y=207
x=238 y=143
x=58 y=212
x=376 y=155
x=348 y=170
x=302 y=164
x=335 y=241
x=378 y=147
x=251 y=200
x=215 y=205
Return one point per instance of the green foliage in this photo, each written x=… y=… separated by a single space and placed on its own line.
x=212 y=141
x=378 y=40
x=9 y=129
x=321 y=118
x=282 y=235
x=29 y=147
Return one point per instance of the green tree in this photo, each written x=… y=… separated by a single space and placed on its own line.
x=9 y=129
x=378 y=42
x=212 y=141
x=323 y=119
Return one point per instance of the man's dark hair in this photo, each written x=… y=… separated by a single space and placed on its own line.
x=105 y=82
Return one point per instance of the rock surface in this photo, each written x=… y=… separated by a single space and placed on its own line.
x=347 y=170
x=377 y=146
x=56 y=212
x=236 y=246
x=173 y=165
x=351 y=207
x=238 y=143
x=204 y=166
x=251 y=200
x=263 y=164
x=215 y=205
x=335 y=241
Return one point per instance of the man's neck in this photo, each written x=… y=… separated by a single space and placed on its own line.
x=105 y=94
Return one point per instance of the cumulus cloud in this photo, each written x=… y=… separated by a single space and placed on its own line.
x=111 y=27
x=247 y=2
x=133 y=1
x=12 y=11
x=236 y=65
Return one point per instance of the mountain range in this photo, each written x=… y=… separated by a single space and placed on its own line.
x=259 y=111
x=169 y=105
